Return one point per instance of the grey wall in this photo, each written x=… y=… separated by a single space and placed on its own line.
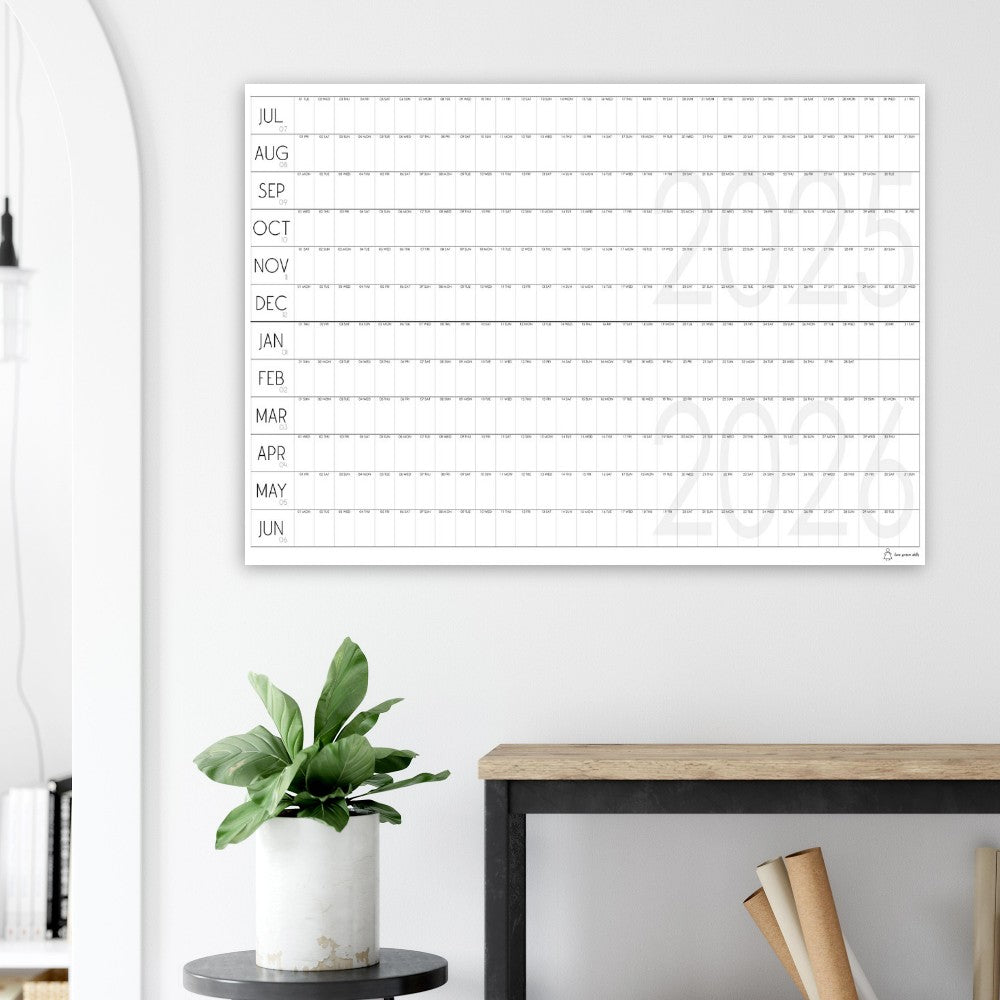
x=488 y=655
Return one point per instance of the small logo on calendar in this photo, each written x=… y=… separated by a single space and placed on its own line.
x=891 y=554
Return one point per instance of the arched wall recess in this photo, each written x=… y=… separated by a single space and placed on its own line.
x=106 y=573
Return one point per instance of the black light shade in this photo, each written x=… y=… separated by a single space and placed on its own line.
x=8 y=256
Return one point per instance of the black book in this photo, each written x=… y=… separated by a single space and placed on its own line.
x=60 y=819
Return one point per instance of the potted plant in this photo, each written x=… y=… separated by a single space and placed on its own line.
x=317 y=882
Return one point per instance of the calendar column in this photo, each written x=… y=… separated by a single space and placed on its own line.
x=404 y=265
x=366 y=362
x=303 y=389
x=849 y=234
x=908 y=268
x=485 y=326
x=270 y=286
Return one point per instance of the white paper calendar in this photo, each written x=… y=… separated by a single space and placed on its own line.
x=584 y=324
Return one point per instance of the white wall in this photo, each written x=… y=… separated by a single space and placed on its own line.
x=494 y=655
x=42 y=232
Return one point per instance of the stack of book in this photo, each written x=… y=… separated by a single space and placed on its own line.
x=795 y=911
x=35 y=827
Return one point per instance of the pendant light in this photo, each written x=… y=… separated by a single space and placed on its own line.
x=13 y=293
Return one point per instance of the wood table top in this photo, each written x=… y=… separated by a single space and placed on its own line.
x=741 y=762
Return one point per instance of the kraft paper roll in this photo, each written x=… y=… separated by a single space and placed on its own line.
x=985 y=981
x=820 y=925
x=763 y=916
x=774 y=878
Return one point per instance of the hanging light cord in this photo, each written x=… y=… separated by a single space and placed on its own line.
x=19 y=111
x=19 y=578
x=15 y=521
x=6 y=98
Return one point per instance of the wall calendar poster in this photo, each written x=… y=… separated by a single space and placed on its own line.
x=584 y=324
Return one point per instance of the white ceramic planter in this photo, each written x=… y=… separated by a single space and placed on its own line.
x=317 y=894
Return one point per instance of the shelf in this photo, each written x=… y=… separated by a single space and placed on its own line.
x=34 y=955
x=524 y=780
x=741 y=762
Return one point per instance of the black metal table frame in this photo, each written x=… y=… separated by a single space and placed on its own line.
x=236 y=974
x=509 y=803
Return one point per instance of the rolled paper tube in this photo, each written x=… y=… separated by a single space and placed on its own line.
x=820 y=925
x=865 y=991
x=984 y=970
x=774 y=879
x=763 y=916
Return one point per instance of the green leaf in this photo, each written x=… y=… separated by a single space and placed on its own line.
x=377 y=781
x=332 y=811
x=267 y=800
x=346 y=684
x=270 y=792
x=387 y=759
x=386 y=814
x=308 y=799
x=417 y=779
x=363 y=721
x=240 y=823
x=283 y=709
x=343 y=764
x=299 y=781
x=241 y=760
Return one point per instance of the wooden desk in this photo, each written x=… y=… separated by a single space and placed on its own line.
x=701 y=778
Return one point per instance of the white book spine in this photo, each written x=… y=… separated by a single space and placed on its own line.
x=11 y=886
x=18 y=844
x=26 y=859
x=33 y=867
x=40 y=871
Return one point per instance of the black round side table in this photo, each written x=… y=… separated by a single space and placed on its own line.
x=237 y=976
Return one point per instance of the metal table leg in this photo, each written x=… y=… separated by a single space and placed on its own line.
x=505 y=896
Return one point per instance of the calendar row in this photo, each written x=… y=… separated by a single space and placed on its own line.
x=685 y=451
x=548 y=113
x=568 y=529
x=642 y=269
x=791 y=224
x=392 y=386
x=546 y=415
x=586 y=303
x=841 y=494
x=709 y=489
x=583 y=416
x=350 y=344
x=525 y=191
x=584 y=153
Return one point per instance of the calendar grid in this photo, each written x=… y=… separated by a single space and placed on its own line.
x=558 y=325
